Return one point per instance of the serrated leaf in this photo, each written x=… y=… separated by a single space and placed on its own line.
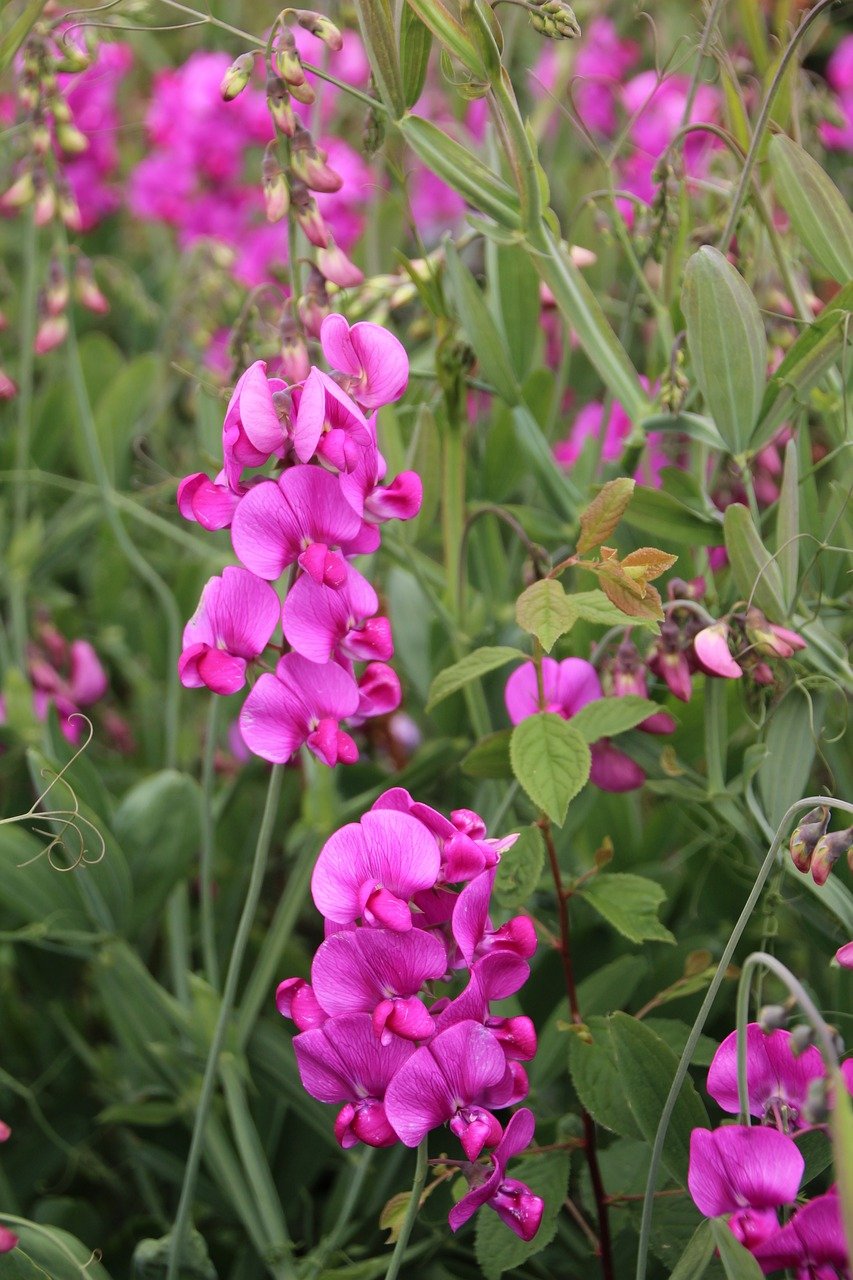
x=545 y=611
x=647 y=1068
x=551 y=761
x=693 y=1263
x=755 y=571
x=471 y=667
x=819 y=213
x=605 y=717
x=622 y=593
x=604 y=513
x=727 y=344
x=498 y=1249
x=520 y=869
x=489 y=758
x=630 y=904
x=595 y=1075
x=650 y=561
x=738 y=1262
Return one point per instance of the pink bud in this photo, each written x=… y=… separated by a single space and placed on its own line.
x=712 y=650
x=844 y=955
x=8 y=1240
x=51 y=333
x=237 y=76
x=8 y=388
x=336 y=266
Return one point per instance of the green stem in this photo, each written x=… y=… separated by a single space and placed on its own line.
x=208 y=917
x=412 y=1208
x=17 y=584
x=696 y=1030
x=338 y=1232
x=453 y=510
x=232 y=977
x=715 y=735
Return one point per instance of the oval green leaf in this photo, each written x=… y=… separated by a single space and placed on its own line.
x=551 y=761
x=471 y=667
x=818 y=211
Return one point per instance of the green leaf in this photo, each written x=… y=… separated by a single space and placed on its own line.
x=471 y=667
x=647 y=1068
x=593 y=606
x=516 y=286
x=841 y=1132
x=728 y=347
x=788 y=525
x=545 y=611
x=551 y=761
x=630 y=904
x=603 y=514
x=16 y=34
x=605 y=717
x=818 y=211
x=816 y=1149
x=755 y=571
x=448 y=30
x=489 y=758
x=480 y=328
x=520 y=869
x=120 y=411
x=54 y=1252
x=538 y=456
x=598 y=1084
x=159 y=825
x=738 y=1263
x=461 y=169
x=498 y=1249
x=693 y=425
x=376 y=23
x=694 y=1261
x=667 y=517
x=675 y=1033
x=790 y=743
x=415 y=43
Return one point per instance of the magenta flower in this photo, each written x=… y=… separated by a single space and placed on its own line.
x=320 y=621
x=298 y=518
x=343 y=1061
x=668 y=661
x=381 y=973
x=295 y=999
x=742 y=1167
x=379 y=691
x=472 y=928
x=371 y=869
x=231 y=627
x=813 y=1242
x=374 y=361
x=211 y=503
x=327 y=422
x=252 y=432
x=303 y=702
x=568 y=686
x=363 y=490
x=465 y=851
x=711 y=646
x=455 y=1078
x=515 y=1203
x=844 y=955
x=8 y=1240
x=777 y=1079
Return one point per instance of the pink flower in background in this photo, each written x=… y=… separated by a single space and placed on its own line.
x=839 y=73
x=711 y=647
x=231 y=627
x=590 y=423
x=65 y=675
x=844 y=956
x=303 y=703
x=515 y=1203
x=92 y=97
x=8 y=1240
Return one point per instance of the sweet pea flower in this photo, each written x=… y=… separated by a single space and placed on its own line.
x=303 y=702
x=299 y=518
x=513 y=1201
x=344 y=1061
x=742 y=1167
x=252 y=432
x=379 y=691
x=711 y=646
x=465 y=850
x=296 y=999
x=363 y=490
x=472 y=928
x=210 y=503
x=812 y=1242
x=844 y=955
x=371 y=869
x=374 y=361
x=568 y=686
x=327 y=422
x=777 y=1079
x=668 y=660
x=320 y=621
x=455 y=1078
x=231 y=627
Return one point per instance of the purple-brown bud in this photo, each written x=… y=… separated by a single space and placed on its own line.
x=51 y=333
x=55 y=297
x=308 y=215
x=237 y=76
x=805 y=836
x=322 y=28
x=309 y=164
x=828 y=850
x=278 y=103
x=289 y=66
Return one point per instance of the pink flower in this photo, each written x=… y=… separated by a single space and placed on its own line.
x=252 y=432
x=300 y=518
x=231 y=627
x=711 y=646
x=371 y=870
x=472 y=928
x=328 y=423
x=465 y=851
x=739 y=1167
x=399 y=500
x=374 y=361
x=455 y=1078
x=379 y=691
x=668 y=661
x=295 y=999
x=210 y=503
x=777 y=1079
x=303 y=702
x=844 y=955
x=8 y=1240
x=320 y=621
x=515 y=1203
x=812 y=1241
x=344 y=1061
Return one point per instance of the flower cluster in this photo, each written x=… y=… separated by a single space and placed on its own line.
x=396 y=924
x=815 y=849
x=324 y=507
x=68 y=676
x=748 y=1173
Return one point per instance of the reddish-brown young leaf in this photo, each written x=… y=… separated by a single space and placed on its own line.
x=604 y=513
x=650 y=560
x=649 y=606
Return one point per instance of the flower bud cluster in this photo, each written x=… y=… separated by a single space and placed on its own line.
x=376 y=1034
x=554 y=19
x=323 y=506
x=749 y=1172
x=813 y=848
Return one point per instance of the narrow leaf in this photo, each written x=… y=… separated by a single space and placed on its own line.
x=415 y=42
x=551 y=761
x=471 y=667
x=755 y=571
x=788 y=525
x=545 y=611
x=630 y=904
x=605 y=717
x=727 y=343
x=516 y=286
x=480 y=328
x=819 y=213
x=376 y=23
x=738 y=1263
x=461 y=169
x=841 y=1132
x=604 y=513
x=448 y=30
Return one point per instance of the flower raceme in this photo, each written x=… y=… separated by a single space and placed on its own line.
x=374 y=1034
x=323 y=507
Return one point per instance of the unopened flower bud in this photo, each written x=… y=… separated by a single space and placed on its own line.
x=69 y=210
x=772 y=1017
x=8 y=386
x=806 y=835
x=828 y=850
x=309 y=164
x=86 y=289
x=802 y=1038
x=295 y=363
x=554 y=19
x=308 y=215
x=40 y=139
x=816 y=1106
x=19 y=194
x=55 y=298
x=313 y=306
x=51 y=333
x=336 y=267
x=71 y=140
x=322 y=28
x=276 y=190
x=278 y=104
x=70 y=58
x=45 y=205
x=237 y=76
x=289 y=66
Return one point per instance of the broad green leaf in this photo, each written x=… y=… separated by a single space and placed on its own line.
x=489 y=758
x=675 y=1033
x=32 y=892
x=461 y=169
x=56 y=1253
x=545 y=611
x=693 y=1263
x=516 y=286
x=841 y=1131
x=480 y=328
x=551 y=761
x=151 y=1258
x=790 y=740
x=471 y=667
x=603 y=514
x=819 y=213
x=675 y=1222
x=120 y=410
x=376 y=24
x=597 y=1080
x=630 y=904
x=728 y=347
x=159 y=825
x=816 y=1149
x=499 y=1250
x=693 y=425
x=415 y=42
x=738 y=1262
x=666 y=517
x=755 y=571
x=647 y=1068
x=15 y=35
x=593 y=606
x=520 y=869
x=788 y=525
x=605 y=717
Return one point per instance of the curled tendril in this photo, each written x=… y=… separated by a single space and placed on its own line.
x=71 y=820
